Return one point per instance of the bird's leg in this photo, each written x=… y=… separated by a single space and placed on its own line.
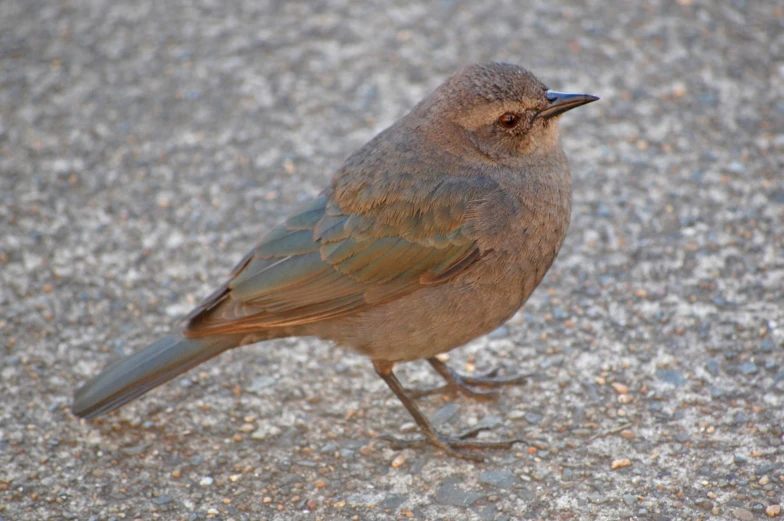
x=463 y=384
x=449 y=444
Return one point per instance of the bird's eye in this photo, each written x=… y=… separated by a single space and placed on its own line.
x=509 y=120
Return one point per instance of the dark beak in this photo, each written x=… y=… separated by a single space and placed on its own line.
x=560 y=102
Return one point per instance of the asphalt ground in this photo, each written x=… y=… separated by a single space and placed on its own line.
x=145 y=147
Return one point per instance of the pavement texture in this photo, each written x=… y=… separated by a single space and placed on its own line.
x=145 y=147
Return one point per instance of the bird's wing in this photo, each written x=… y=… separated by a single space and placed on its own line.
x=348 y=250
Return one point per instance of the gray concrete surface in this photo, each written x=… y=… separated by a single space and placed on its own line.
x=145 y=146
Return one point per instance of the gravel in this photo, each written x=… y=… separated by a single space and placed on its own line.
x=145 y=146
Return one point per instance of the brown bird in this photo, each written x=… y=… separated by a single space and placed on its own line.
x=433 y=233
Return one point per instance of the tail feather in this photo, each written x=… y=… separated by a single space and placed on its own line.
x=141 y=372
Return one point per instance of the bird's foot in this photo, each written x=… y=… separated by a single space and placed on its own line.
x=451 y=445
x=466 y=384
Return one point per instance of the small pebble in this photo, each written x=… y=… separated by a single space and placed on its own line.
x=487 y=423
x=264 y=432
x=764 y=480
x=619 y=463
x=679 y=89
x=329 y=447
x=773 y=510
x=262 y=382
x=502 y=479
x=620 y=388
x=449 y=493
x=533 y=417
x=394 y=501
x=399 y=461
x=671 y=376
x=742 y=514
x=206 y=481
x=346 y=453
x=682 y=437
x=408 y=427
x=445 y=413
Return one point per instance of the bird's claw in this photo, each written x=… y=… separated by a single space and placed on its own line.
x=449 y=444
x=482 y=394
x=465 y=384
x=490 y=379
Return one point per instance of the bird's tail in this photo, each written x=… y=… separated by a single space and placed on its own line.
x=133 y=376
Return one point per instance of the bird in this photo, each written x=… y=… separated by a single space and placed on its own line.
x=433 y=233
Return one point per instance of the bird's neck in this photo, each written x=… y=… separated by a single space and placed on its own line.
x=540 y=177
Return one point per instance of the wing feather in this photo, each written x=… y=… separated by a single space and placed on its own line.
x=344 y=252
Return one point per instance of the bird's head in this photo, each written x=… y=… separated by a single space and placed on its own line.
x=501 y=111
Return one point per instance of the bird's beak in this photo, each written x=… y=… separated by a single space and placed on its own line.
x=560 y=102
